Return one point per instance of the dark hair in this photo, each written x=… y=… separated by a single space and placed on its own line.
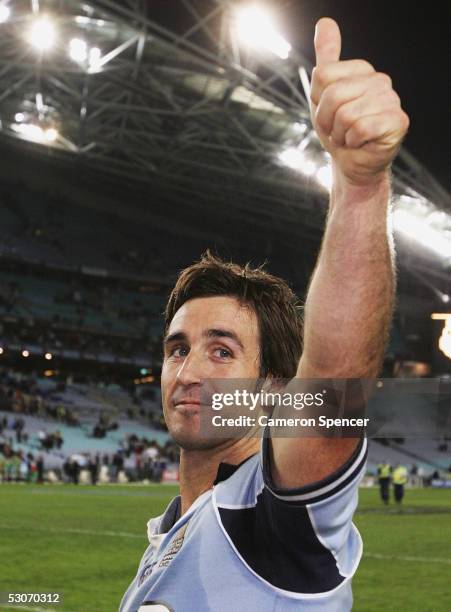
x=272 y=300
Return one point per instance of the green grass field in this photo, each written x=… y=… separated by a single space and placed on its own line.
x=86 y=542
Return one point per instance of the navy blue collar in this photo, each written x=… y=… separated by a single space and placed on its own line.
x=174 y=509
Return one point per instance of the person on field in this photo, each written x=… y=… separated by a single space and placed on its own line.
x=400 y=478
x=384 y=474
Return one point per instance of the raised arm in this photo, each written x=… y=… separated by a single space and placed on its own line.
x=348 y=310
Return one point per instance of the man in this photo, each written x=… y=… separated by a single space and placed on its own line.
x=400 y=479
x=384 y=473
x=273 y=530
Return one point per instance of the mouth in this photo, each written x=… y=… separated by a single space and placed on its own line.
x=187 y=406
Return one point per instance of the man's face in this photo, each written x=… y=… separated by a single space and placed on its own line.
x=212 y=337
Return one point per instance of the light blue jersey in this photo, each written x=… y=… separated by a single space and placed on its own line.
x=247 y=545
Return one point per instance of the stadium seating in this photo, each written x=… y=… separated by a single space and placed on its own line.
x=421 y=452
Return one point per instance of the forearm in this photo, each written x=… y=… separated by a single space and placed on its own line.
x=350 y=299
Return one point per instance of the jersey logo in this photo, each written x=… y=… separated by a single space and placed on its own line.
x=174 y=546
x=146 y=572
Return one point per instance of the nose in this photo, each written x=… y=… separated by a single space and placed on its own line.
x=189 y=372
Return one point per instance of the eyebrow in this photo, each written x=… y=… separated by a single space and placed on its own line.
x=224 y=333
x=175 y=337
x=209 y=333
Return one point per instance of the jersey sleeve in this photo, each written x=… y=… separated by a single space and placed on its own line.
x=299 y=541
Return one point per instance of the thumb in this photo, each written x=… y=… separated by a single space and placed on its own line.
x=327 y=41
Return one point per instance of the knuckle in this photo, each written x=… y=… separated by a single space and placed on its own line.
x=321 y=120
x=332 y=93
x=390 y=99
x=364 y=65
x=344 y=115
x=315 y=77
x=395 y=98
x=319 y=75
x=405 y=120
x=383 y=79
x=360 y=129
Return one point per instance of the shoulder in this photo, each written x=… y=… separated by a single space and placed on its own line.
x=295 y=541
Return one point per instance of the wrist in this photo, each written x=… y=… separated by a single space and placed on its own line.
x=347 y=190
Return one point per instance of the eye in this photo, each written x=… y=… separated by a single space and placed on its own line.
x=179 y=351
x=222 y=353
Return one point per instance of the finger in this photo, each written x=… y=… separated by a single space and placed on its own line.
x=327 y=41
x=343 y=91
x=325 y=75
x=386 y=128
x=368 y=104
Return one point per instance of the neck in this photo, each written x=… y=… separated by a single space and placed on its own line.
x=198 y=469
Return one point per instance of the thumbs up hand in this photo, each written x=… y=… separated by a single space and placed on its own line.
x=355 y=111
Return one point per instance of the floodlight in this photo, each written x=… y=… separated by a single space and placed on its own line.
x=324 y=177
x=78 y=50
x=25 y=354
x=5 y=12
x=292 y=157
x=28 y=130
x=48 y=356
x=33 y=132
x=308 y=168
x=19 y=117
x=417 y=229
x=94 y=56
x=300 y=128
x=255 y=28
x=1 y=350
x=296 y=159
x=444 y=343
x=50 y=135
x=42 y=34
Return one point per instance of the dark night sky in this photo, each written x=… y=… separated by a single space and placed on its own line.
x=409 y=41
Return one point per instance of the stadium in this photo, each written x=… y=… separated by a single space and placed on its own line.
x=136 y=136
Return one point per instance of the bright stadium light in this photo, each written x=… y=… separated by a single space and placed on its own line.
x=1 y=350
x=50 y=135
x=416 y=228
x=255 y=28
x=78 y=50
x=300 y=128
x=42 y=34
x=94 y=55
x=293 y=158
x=48 y=356
x=296 y=159
x=33 y=132
x=324 y=177
x=5 y=12
x=25 y=354
x=94 y=58
x=444 y=342
x=308 y=168
x=19 y=117
x=29 y=131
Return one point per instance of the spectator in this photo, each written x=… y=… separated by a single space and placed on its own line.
x=40 y=469
x=93 y=467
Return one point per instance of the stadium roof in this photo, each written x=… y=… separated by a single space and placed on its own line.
x=170 y=98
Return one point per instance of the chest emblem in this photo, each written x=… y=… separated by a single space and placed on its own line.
x=173 y=547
